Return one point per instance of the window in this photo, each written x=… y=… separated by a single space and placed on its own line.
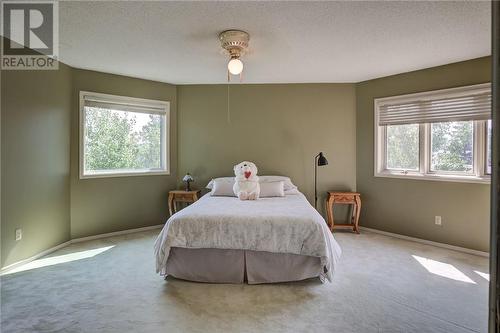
x=402 y=147
x=452 y=147
x=122 y=136
x=488 y=147
x=438 y=135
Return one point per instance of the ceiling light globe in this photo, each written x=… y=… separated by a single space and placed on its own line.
x=235 y=66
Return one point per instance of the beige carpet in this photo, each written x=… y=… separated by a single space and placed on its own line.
x=381 y=285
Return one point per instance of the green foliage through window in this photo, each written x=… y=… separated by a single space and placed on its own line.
x=452 y=146
x=119 y=140
x=403 y=147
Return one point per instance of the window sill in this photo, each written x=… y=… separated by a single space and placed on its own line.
x=441 y=178
x=126 y=174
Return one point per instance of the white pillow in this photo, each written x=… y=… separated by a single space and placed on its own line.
x=288 y=185
x=210 y=185
x=222 y=188
x=272 y=189
x=292 y=191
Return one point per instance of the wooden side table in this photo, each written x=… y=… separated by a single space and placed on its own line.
x=349 y=198
x=181 y=196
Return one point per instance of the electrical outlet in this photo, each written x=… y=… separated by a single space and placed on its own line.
x=437 y=220
x=19 y=234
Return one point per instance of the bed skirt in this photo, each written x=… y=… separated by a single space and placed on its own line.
x=239 y=266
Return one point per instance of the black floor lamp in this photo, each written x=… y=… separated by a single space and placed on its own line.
x=319 y=160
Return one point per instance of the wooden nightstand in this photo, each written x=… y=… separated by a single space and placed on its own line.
x=349 y=198
x=181 y=196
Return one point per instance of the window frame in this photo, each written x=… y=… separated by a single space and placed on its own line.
x=142 y=102
x=485 y=148
x=424 y=172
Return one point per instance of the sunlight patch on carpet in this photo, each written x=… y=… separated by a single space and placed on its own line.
x=56 y=260
x=443 y=269
x=485 y=276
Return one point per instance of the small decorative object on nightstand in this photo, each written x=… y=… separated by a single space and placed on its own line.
x=181 y=196
x=350 y=198
x=188 y=179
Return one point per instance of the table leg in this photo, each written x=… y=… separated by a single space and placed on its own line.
x=353 y=216
x=329 y=211
x=171 y=203
x=358 y=212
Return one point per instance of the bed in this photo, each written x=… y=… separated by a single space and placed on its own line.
x=221 y=239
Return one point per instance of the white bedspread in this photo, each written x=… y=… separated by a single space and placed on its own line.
x=286 y=224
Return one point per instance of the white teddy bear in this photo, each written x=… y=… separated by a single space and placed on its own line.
x=246 y=185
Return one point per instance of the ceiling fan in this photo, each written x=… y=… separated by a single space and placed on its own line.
x=235 y=42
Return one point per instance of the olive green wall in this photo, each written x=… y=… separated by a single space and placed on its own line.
x=35 y=130
x=408 y=207
x=103 y=205
x=280 y=127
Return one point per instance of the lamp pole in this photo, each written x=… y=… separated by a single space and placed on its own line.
x=316 y=181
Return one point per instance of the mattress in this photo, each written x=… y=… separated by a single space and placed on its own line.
x=280 y=225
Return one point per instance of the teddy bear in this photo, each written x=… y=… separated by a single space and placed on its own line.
x=246 y=185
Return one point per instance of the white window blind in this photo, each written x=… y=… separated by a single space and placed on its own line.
x=125 y=105
x=471 y=104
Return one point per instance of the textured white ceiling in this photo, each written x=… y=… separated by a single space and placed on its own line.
x=176 y=42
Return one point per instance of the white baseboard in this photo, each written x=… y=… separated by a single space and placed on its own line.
x=76 y=240
x=116 y=233
x=428 y=242
x=36 y=256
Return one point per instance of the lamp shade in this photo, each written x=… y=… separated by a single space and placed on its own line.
x=187 y=178
x=322 y=160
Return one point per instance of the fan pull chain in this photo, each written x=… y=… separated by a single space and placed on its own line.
x=228 y=110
